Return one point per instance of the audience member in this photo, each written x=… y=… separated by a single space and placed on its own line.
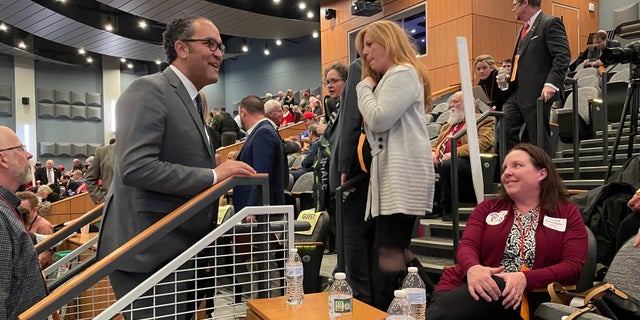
x=308 y=118
x=311 y=154
x=34 y=223
x=77 y=180
x=159 y=170
x=539 y=70
x=288 y=98
x=37 y=166
x=280 y=97
x=21 y=281
x=100 y=173
x=486 y=71
x=590 y=57
x=273 y=112
x=48 y=175
x=507 y=65
x=315 y=105
x=526 y=238
x=305 y=100
x=227 y=128
x=47 y=194
x=287 y=117
x=394 y=124
x=263 y=151
x=64 y=185
x=296 y=114
x=77 y=165
x=441 y=154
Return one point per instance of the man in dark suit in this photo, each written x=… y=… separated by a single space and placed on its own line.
x=160 y=118
x=541 y=58
x=100 y=169
x=263 y=151
x=47 y=175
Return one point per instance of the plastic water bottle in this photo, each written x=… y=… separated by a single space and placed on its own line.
x=416 y=293
x=294 y=273
x=400 y=308
x=340 y=298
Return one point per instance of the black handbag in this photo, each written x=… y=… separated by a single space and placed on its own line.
x=604 y=299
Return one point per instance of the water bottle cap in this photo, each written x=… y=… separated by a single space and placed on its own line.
x=400 y=294
x=294 y=250
x=340 y=276
x=412 y=269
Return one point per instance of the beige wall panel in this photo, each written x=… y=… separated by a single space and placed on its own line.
x=493 y=36
x=497 y=9
x=442 y=41
x=444 y=76
x=570 y=19
x=443 y=11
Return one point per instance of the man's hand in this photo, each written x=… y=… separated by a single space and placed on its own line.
x=480 y=283
x=232 y=168
x=547 y=93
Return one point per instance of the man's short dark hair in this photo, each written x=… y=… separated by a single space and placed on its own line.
x=534 y=3
x=507 y=60
x=252 y=104
x=181 y=28
x=342 y=69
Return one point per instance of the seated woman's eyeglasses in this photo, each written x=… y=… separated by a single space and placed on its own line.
x=212 y=44
x=331 y=82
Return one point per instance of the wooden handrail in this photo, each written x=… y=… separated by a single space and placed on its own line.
x=108 y=264
x=69 y=229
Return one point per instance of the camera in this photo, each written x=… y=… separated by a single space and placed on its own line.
x=630 y=53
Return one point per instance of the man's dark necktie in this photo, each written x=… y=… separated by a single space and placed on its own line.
x=199 y=106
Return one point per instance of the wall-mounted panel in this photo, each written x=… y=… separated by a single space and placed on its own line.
x=61 y=97
x=78 y=98
x=6 y=93
x=6 y=108
x=45 y=95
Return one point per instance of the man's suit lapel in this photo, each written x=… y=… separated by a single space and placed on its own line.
x=530 y=34
x=187 y=103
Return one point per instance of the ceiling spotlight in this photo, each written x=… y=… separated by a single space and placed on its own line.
x=108 y=27
x=278 y=42
x=60 y=1
x=123 y=60
x=142 y=24
x=245 y=47
x=89 y=59
x=81 y=51
x=130 y=65
x=413 y=30
x=315 y=34
x=310 y=14
x=266 y=49
x=22 y=45
x=422 y=40
x=3 y=27
x=158 y=61
x=276 y=1
x=302 y=5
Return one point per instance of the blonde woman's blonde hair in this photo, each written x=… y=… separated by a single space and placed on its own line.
x=486 y=59
x=398 y=47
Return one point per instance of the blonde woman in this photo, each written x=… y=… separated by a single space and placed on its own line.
x=392 y=97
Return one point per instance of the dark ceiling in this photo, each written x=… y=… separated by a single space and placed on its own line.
x=55 y=29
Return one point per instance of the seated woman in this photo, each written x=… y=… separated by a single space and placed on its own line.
x=526 y=238
x=487 y=72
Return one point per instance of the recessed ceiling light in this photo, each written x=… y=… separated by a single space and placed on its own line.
x=315 y=34
x=278 y=42
x=22 y=45
x=60 y=1
x=158 y=61
x=266 y=49
x=422 y=40
x=245 y=48
x=142 y=24
x=130 y=65
x=81 y=51
x=276 y=1
x=413 y=30
x=89 y=59
x=302 y=5
x=309 y=14
x=108 y=27
x=123 y=60
x=3 y=27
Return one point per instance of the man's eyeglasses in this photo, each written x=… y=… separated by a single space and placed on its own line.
x=331 y=82
x=21 y=147
x=212 y=44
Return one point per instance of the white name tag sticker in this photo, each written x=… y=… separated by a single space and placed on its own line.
x=495 y=218
x=558 y=224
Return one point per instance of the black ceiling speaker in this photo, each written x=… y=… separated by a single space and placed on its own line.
x=329 y=14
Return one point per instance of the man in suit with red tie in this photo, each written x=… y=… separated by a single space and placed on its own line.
x=540 y=62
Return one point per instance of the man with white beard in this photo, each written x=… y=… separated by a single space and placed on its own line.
x=441 y=150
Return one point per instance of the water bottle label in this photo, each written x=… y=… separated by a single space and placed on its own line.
x=294 y=271
x=342 y=305
x=416 y=297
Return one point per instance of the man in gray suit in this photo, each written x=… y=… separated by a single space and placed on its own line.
x=101 y=169
x=163 y=158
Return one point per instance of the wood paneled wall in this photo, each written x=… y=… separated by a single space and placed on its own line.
x=70 y=208
x=489 y=26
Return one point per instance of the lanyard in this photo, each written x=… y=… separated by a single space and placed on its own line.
x=525 y=230
x=14 y=212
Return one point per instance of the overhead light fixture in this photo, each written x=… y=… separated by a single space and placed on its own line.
x=89 y=59
x=123 y=60
x=302 y=5
x=276 y=1
x=315 y=34
x=310 y=14
x=60 y=1
x=158 y=61
x=130 y=65
x=3 y=27
x=266 y=49
x=81 y=51
x=142 y=24
x=413 y=30
x=245 y=47
x=278 y=42
x=22 y=45
x=108 y=27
